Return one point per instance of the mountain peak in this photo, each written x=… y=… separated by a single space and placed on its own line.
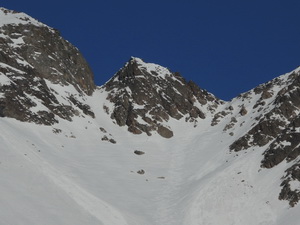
x=16 y=18
x=145 y=95
x=32 y=56
x=136 y=68
x=136 y=59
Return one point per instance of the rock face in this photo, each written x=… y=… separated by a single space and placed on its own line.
x=275 y=128
x=276 y=111
x=145 y=96
x=33 y=54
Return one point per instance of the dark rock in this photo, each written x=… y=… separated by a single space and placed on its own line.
x=141 y=172
x=113 y=141
x=150 y=95
x=86 y=109
x=277 y=152
x=102 y=130
x=165 y=132
x=43 y=55
x=291 y=174
x=266 y=95
x=104 y=138
x=261 y=134
x=137 y=152
x=218 y=116
x=243 y=111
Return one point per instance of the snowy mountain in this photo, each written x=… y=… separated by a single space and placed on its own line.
x=146 y=96
x=146 y=148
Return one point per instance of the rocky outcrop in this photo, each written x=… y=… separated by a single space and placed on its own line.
x=276 y=128
x=274 y=117
x=288 y=191
x=36 y=48
x=33 y=54
x=146 y=95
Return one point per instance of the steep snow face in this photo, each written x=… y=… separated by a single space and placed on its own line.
x=145 y=96
x=16 y=18
x=86 y=172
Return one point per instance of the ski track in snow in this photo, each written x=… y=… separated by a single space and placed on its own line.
x=203 y=184
x=167 y=199
x=104 y=212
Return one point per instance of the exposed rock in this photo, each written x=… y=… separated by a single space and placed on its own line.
x=145 y=95
x=33 y=54
x=165 y=132
x=287 y=193
x=266 y=95
x=277 y=128
x=243 y=111
x=261 y=134
x=218 y=116
x=111 y=140
x=102 y=130
x=285 y=146
x=137 y=152
x=271 y=124
x=233 y=121
x=141 y=172
x=86 y=109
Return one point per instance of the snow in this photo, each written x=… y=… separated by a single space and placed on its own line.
x=3 y=65
x=17 y=42
x=189 y=179
x=151 y=67
x=55 y=71
x=65 y=173
x=8 y=17
x=4 y=80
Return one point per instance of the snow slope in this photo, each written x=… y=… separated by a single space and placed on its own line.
x=66 y=174
x=13 y=17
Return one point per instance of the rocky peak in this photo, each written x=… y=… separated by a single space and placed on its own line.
x=33 y=47
x=146 y=95
x=33 y=56
x=9 y=17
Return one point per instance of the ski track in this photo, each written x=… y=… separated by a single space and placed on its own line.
x=168 y=199
x=199 y=185
x=174 y=194
x=104 y=212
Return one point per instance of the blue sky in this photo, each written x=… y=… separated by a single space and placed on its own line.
x=226 y=47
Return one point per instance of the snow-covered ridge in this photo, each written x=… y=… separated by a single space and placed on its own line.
x=12 y=17
x=152 y=68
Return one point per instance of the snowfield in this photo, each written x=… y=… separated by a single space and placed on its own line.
x=66 y=174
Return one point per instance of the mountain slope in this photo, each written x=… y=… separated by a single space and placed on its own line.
x=146 y=148
x=33 y=54
x=146 y=96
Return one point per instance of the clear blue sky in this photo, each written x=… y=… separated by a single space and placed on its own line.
x=226 y=47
